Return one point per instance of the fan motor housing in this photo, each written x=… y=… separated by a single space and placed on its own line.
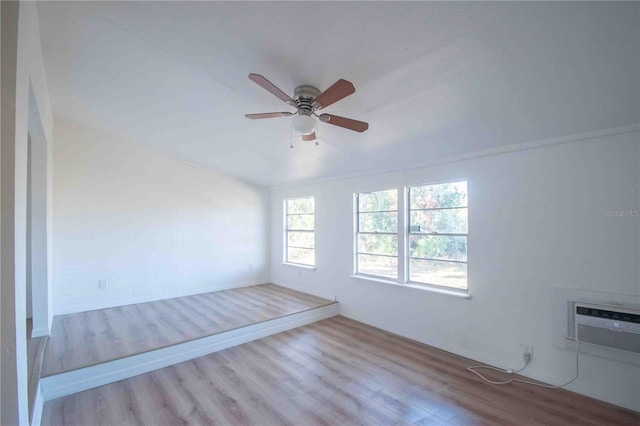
x=304 y=96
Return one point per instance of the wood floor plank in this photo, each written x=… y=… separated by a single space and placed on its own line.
x=333 y=372
x=89 y=338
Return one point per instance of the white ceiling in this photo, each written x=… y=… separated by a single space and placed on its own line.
x=433 y=79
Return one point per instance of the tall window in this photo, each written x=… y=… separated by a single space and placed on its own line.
x=437 y=237
x=377 y=234
x=300 y=241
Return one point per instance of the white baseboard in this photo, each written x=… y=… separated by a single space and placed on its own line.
x=358 y=316
x=79 y=380
x=38 y=406
x=628 y=403
x=69 y=304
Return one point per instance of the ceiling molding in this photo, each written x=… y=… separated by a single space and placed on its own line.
x=501 y=150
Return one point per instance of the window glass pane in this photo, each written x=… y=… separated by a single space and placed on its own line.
x=301 y=221
x=378 y=222
x=378 y=201
x=452 y=221
x=438 y=247
x=447 y=274
x=378 y=244
x=300 y=246
x=301 y=205
x=378 y=265
x=301 y=239
x=301 y=255
x=452 y=194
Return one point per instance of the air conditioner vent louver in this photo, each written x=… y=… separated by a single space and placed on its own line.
x=608 y=325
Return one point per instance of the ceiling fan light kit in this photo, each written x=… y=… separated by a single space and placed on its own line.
x=307 y=100
x=304 y=124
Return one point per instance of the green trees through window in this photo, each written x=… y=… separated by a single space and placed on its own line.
x=437 y=237
x=377 y=235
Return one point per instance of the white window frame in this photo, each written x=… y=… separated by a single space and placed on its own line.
x=286 y=215
x=404 y=234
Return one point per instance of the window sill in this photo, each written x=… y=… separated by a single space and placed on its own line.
x=445 y=291
x=299 y=265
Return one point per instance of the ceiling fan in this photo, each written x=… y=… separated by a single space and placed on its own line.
x=307 y=100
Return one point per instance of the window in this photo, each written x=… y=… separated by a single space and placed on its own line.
x=437 y=237
x=377 y=234
x=433 y=249
x=300 y=241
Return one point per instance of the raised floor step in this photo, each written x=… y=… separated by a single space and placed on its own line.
x=90 y=349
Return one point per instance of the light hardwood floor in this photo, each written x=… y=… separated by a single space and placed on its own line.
x=89 y=338
x=333 y=372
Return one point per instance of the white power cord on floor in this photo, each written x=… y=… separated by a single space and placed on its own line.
x=474 y=368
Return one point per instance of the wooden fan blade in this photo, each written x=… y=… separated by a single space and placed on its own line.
x=310 y=137
x=268 y=115
x=347 y=123
x=340 y=89
x=271 y=88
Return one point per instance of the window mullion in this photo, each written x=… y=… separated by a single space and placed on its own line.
x=402 y=239
x=377 y=254
x=438 y=260
x=437 y=208
x=357 y=236
x=438 y=234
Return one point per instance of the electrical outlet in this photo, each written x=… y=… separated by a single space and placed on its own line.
x=527 y=352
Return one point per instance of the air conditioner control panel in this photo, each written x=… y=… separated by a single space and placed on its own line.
x=613 y=320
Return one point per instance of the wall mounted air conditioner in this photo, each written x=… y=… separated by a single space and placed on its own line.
x=608 y=325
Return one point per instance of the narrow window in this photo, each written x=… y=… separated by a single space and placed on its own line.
x=437 y=235
x=300 y=241
x=377 y=234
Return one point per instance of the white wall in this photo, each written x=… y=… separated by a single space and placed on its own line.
x=24 y=95
x=39 y=215
x=537 y=227
x=151 y=226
